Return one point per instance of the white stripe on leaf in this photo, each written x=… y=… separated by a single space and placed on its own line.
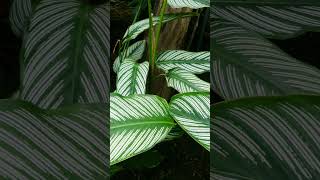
x=193 y=4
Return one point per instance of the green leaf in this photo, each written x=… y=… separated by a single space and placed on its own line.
x=194 y=4
x=274 y=137
x=245 y=64
x=192 y=112
x=138 y=123
x=137 y=28
x=132 y=78
x=134 y=52
x=66 y=54
x=195 y=62
x=184 y=81
x=20 y=12
x=68 y=143
x=273 y=21
x=175 y=132
x=264 y=2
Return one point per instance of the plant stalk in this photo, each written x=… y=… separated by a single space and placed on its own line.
x=162 y=11
x=151 y=45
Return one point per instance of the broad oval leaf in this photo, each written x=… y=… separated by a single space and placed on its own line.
x=20 y=12
x=137 y=28
x=134 y=52
x=192 y=112
x=132 y=78
x=138 y=123
x=246 y=64
x=184 y=81
x=66 y=54
x=274 y=137
x=68 y=143
x=195 y=62
x=265 y=2
x=194 y=4
x=272 y=20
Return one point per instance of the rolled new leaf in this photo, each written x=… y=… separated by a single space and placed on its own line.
x=132 y=78
x=134 y=52
x=193 y=4
x=138 y=123
x=246 y=64
x=68 y=143
x=66 y=54
x=274 y=137
x=184 y=81
x=195 y=62
x=192 y=112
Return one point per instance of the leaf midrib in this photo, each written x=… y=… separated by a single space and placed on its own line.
x=145 y=122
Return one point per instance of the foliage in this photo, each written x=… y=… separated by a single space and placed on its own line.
x=269 y=123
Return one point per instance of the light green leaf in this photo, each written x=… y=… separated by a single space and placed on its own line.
x=184 y=81
x=274 y=137
x=279 y=19
x=195 y=62
x=134 y=30
x=245 y=64
x=132 y=78
x=194 y=4
x=68 y=143
x=265 y=2
x=134 y=52
x=138 y=123
x=192 y=112
x=66 y=54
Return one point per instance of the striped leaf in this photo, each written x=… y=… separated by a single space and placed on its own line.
x=194 y=4
x=134 y=52
x=20 y=12
x=280 y=19
x=192 y=112
x=265 y=2
x=184 y=81
x=66 y=54
x=138 y=123
x=274 y=137
x=245 y=64
x=195 y=62
x=132 y=78
x=68 y=143
x=137 y=28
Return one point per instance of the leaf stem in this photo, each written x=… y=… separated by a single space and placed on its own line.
x=162 y=11
x=150 y=38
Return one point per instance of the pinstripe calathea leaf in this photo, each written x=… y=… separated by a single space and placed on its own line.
x=194 y=4
x=69 y=143
x=192 y=112
x=278 y=19
x=134 y=52
x=195 y=62
x=265 y=138
x=20 y=12
x=246 y=64
x=132 y=78
x=184 y=81
x=138 y=123
x=66 y=54
x=137 y=28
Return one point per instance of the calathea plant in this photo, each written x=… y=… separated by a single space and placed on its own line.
x=268 y=127
x=140 y=119
x=57 y=126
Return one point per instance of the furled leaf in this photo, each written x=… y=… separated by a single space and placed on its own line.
x=68 y=143
x=194 y=4
x=246 y=64
x=20 y=12
x=192 y=112
x=134 y=52
x=66 y=54
x=184 y=81
x=132 y=78
x=195 y=62
x=273 y=137
x=138 y=123
x=135 y=29
x=280 y=19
